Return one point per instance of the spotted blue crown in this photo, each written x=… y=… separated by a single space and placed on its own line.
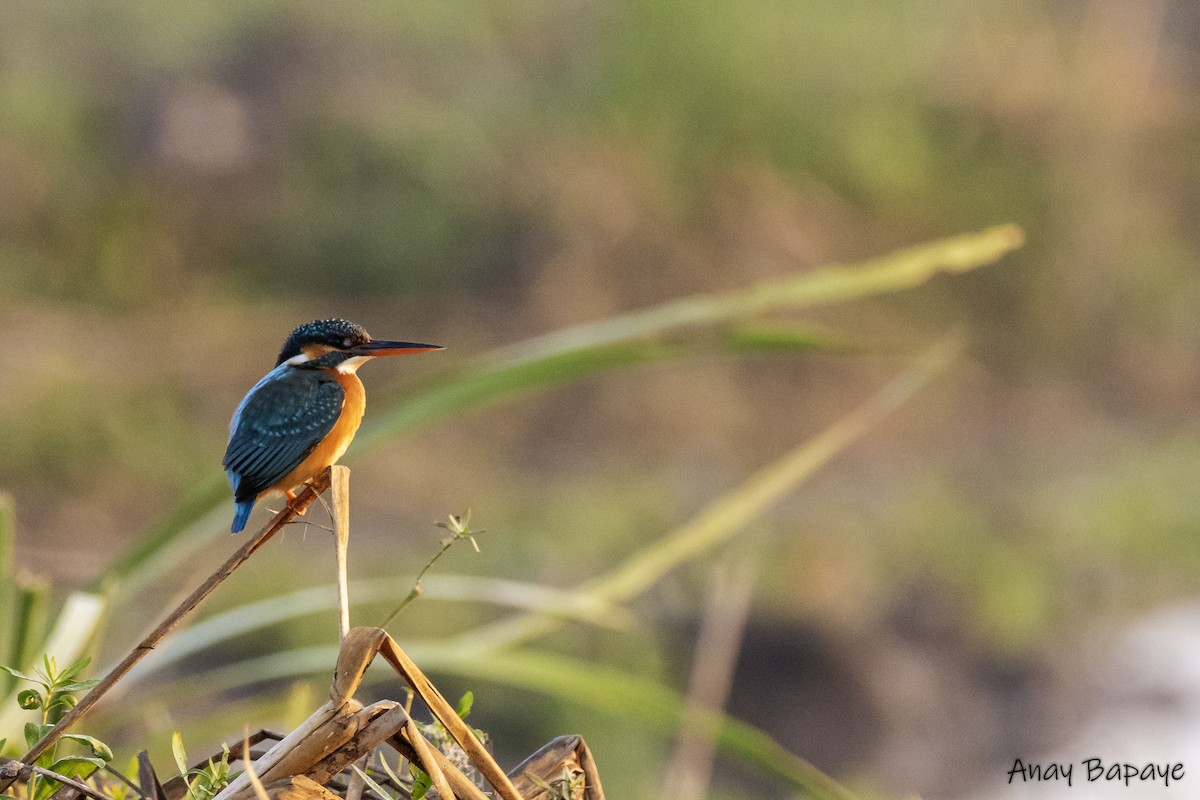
x=339 y=333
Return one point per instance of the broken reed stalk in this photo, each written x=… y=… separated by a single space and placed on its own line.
x=259 y=791
x=8 y=773
x=339 y=490
x=339 y=493
x=151 y=787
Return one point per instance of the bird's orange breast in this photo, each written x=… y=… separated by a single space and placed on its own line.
x=334 y=445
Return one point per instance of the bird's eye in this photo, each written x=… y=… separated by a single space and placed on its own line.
x=346 y=343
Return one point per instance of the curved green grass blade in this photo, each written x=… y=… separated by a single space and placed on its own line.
x=779 y=338
x=247 y=619
x=838 y=283
x=731 y=513
x=565 y=355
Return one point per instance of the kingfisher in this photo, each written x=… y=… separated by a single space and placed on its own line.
x=300 y=418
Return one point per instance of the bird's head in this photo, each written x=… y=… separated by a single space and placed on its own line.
x=340 y=344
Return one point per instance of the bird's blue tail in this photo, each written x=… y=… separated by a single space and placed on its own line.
x=243 y=514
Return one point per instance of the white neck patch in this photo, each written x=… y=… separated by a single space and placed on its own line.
x=351 y=365
x=297 y=359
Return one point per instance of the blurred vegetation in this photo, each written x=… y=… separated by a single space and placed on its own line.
x=178 y=189
x=486 y=651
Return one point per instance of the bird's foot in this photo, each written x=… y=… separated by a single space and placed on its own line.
x=291 y=496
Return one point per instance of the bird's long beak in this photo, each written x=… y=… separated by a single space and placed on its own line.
x=379 y=347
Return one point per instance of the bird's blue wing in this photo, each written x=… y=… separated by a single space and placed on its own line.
x=279 y=422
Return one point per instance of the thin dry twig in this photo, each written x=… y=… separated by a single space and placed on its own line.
x=23 y=771
x=125 y=779
x=82 y=788
x=460 y=528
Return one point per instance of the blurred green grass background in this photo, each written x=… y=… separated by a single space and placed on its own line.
x=181 y=185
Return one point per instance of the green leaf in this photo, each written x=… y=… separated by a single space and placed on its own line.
x=372 y=784
x=46 y=787
x=76 y=668
x=421 y=782
x=30 y=699
x=99 y=749
x=64 y=701
x=464 y=705
x=73 y=629
x=178 y=753
x=78 y=686
x=18 y=674
x=33 y=734
x=73 y=766
x=383 y=763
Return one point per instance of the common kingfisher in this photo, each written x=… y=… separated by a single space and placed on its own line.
x=299 y=419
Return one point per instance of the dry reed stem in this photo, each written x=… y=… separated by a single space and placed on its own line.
x=445 y=713
x=727 y=606
x=376 y=723
x=326 y=729
x=339 y=490
x=460 y=783
x=428 y=763
x=259 y=791
x=299 y=787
